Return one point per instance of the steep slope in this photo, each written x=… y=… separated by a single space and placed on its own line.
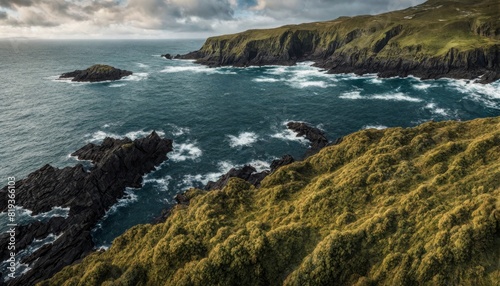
x=415 y=206
x=440 y=38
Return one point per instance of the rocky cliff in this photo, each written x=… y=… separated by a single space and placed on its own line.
x=440 y=38
x=88 y=194
x=414 y=206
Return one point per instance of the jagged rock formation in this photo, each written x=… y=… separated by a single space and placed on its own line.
x=118 y=164
x=96 y=73
x=440 y=38
x=414 y=206
x=314 y=135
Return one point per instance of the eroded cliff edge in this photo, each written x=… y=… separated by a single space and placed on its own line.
x=413 y=206
x=456 y=39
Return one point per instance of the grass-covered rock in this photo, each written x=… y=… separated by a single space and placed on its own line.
x=440 y=38
x=96 y=73
x=414 y=206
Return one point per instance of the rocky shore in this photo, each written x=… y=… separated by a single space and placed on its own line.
x=248 y=173
x=464 y=43
x=96 y=73
x=117 y=164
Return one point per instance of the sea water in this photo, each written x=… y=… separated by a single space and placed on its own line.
x=219 y=118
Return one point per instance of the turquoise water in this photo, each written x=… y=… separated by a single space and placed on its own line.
x=218 y=118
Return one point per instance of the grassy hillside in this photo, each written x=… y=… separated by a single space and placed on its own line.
x=415 y=206
x=456 y=38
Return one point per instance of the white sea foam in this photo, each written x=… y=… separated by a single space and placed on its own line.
x=141 y=65
x=243 y=139
x=185 y=151
x=198 y=69
x=487 y=94
x=398 y=96
x=376 y=81
x=127 y=199
x=259 y=165
x=188 y=181
x=184 y=60
x=288 y=135
x=437 y=110
x=265 y=79
x=305 y=84
x=375 y=126
x=161 y=183
x=351 y=95
x=178 y=131
x=99 y=135
x=303 y=75
x=422 y=86
x=136 y=76
x=54 y=212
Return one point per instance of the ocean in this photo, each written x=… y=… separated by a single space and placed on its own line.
x=219 y=118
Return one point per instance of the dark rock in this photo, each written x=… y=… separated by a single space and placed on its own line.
x=167 y=56
x=315 y=136
x=244 y=173
x=283 y=161
x=96 y=73
x=181 y=199
x=118 y=164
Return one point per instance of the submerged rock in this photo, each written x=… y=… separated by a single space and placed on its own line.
x=167 y=56
x=96 y=73
x=118 y=164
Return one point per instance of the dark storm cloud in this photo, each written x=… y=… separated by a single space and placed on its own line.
x=183 y=15
x=149 y=14
x=327 y=9
x=14 y=3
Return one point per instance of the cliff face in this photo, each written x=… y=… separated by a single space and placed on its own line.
x=415 y=206
x=459 y=39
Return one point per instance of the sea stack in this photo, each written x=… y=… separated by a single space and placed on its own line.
x=96 y=73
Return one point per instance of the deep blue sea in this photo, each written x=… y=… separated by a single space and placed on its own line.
x=218 y=117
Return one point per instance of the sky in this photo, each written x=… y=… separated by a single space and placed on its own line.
x=164 y=19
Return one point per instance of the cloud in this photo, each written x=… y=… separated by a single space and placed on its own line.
x=60 y=18
x=317 y=10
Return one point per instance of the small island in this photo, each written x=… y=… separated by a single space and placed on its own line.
x=96 y=73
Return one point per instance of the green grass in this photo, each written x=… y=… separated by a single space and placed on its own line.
x=415 y=206
x=429 y=30
x=99 y=68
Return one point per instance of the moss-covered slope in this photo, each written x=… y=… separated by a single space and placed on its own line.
x=453 y=38
x=416 y=206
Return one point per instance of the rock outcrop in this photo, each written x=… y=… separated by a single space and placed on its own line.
x=430 y=41
x=96 y=73
x=314 y=135
x=167 y=56
x=118 y=164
